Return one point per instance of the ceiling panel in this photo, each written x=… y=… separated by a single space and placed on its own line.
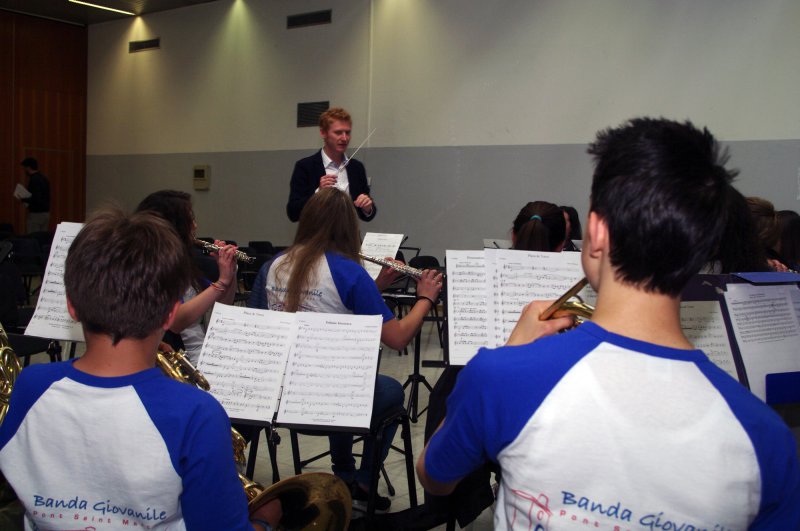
x=84 y=15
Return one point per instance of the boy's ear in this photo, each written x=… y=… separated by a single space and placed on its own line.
x=71 y=310
x=597 y=230
x=171 y=316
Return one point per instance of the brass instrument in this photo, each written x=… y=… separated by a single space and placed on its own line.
x=211 y=248
x=406 y=270
x=564 y=307
x=317 y=501
x=10 y=368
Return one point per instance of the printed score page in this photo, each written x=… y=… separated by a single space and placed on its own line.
x=51 y=318
x=767 y=330
x=704 y=327
x=379 y=245
x=520 y=277
x=468 y=316
x=244 y=357
x=330 y=377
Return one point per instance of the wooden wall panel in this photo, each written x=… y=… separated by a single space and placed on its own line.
x=45 y=107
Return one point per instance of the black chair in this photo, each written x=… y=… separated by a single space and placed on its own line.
x=398 y=415
x=430 y=262
x=261 y=246
x=29 y=258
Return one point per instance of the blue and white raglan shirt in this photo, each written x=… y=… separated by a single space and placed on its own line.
x=340 y=286
x=139 y=451
x=593 y=430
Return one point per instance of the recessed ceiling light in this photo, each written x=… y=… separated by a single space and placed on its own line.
x=103 y=7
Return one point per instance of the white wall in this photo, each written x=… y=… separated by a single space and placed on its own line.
x=448 y=85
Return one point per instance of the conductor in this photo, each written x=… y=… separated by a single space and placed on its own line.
x=330 y=167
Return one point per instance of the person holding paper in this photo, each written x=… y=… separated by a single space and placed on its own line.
x=330 y=167
x=38 y=200
x=176 y=208
x=322 y=272
x=108 y=440
x=621 y=423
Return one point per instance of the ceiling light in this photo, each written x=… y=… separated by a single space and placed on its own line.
x=103 y=7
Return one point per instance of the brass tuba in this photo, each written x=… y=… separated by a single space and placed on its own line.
x=565 y=306
x=312 y=501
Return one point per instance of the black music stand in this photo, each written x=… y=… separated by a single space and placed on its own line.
x=273 y=440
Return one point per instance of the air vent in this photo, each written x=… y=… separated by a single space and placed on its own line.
x=309 y=19
x=308 y=113
x=141 y=46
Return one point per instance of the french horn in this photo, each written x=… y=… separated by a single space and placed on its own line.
x=311 y=501
x=10 y=368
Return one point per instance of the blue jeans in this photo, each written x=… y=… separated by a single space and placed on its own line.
x=388 y=395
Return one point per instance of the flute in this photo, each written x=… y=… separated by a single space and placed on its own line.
x=211 y=248
x=406 y=270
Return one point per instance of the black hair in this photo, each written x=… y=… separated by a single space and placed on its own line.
x=539 y=226
x=575 y=230
x=664 y=193
x=31 y=163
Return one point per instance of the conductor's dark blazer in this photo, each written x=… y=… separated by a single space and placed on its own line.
x=305 y=181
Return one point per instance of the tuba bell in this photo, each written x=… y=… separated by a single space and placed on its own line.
x=313 y=501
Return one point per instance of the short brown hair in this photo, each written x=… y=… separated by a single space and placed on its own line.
x=766 y=220
x=333 y=114
x=123 y=273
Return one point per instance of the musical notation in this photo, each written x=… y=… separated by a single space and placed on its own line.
x=704 y=326
x=330 y=376
x=243 y=358
x=51 y=318
x=310 y=368
x=380 y=245
x=468 y=317
x=767 y=329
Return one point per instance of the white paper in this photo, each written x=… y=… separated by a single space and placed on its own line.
x=379 y=245
x=51 y=318
x=468 y=313
x=524 y=276
x=243 y=358
x=20 y=192
x=704 y=326
x=330 y=377
x=767 y=331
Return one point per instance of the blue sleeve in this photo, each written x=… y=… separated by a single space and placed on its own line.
x=776 y=452
x=358 y=291
x=258 y=295
x=202 y=454
x=31 y=384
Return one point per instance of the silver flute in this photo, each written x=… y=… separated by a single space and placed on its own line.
x=406 y=270
x=211 y=248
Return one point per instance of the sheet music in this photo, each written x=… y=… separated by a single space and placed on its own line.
x=703 y=325
x=524 y=276
x=379 y=245
x=243 y=358
x=51 y=318
x=330 y=377
x=20 y=192
x=767 y=330
x=468 y=313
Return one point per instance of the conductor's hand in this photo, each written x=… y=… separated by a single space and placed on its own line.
x=226 y=262
x=327 y=181
x=387 y=275
x=430 y=284
x=529 y=328
x=364 y=202
x=271 y=512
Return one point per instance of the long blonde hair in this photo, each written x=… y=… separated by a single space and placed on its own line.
x=328 y=222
